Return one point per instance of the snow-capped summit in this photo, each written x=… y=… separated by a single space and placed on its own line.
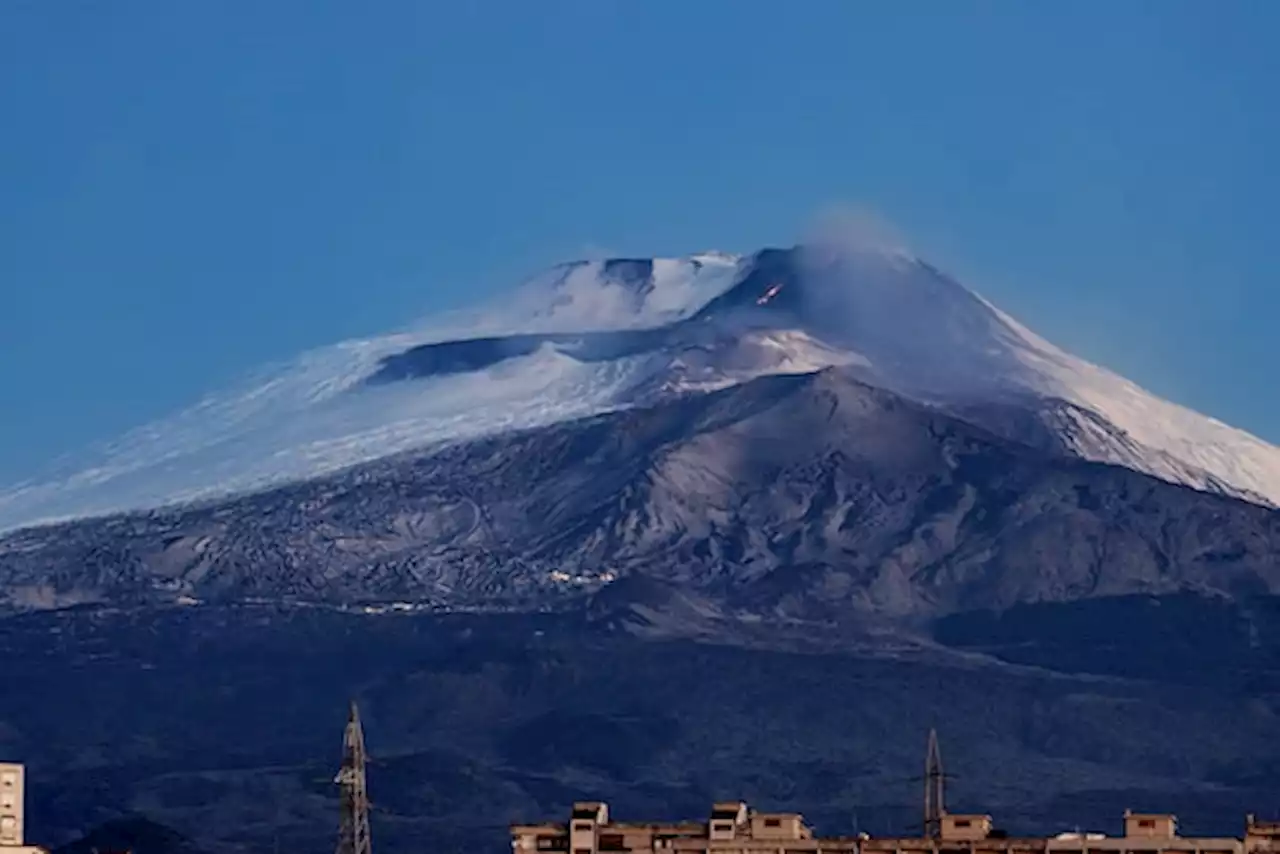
x=592 y=336
x=619 y=293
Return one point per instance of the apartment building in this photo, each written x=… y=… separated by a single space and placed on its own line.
x=731 y=828
x=735 y=828
x=1144 y=833
x=13 y=811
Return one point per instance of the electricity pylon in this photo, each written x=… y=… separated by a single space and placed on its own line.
x=353 y=827
x=934 y=789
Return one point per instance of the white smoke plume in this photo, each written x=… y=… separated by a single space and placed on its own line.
x=853 y=230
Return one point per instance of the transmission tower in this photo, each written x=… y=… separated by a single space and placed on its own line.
x=934 y=789
x=353 y=828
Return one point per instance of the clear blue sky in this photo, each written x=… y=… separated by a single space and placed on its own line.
x=190 y=189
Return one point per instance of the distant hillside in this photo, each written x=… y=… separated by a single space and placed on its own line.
x=134 y=834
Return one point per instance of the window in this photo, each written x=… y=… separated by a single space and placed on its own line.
x=611 y=842
x=9 y=779
x=7 y=799
x=722 y=826
x=963 y=822
x=582 y=851
x=1147 y=823
x=582 y=826
x=773 y=822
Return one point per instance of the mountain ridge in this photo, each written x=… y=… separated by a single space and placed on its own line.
x=600 y=336
x=897 y=509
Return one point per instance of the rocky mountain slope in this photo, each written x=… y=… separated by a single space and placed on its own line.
x=812 y=496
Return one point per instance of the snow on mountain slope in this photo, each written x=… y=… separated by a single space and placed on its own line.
x=1181 y=437
x=929 y=337
x=297 y=435
x=618 y=294
x=314 y=414
x=593 y=336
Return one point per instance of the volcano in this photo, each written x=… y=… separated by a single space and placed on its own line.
x=594 y=337
x=855 y=420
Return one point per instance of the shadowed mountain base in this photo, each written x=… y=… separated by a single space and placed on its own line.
x=225 y=724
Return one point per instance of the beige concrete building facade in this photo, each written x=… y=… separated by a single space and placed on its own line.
x=731 y=827
x=735 y=828
x=13 y=779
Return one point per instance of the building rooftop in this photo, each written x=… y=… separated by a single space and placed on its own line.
x=736 y=827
